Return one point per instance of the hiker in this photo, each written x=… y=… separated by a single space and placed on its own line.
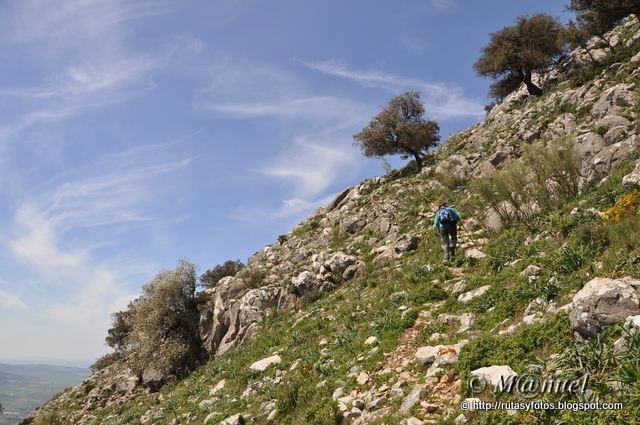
x=446 y=222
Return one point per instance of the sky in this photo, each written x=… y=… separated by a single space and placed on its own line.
x=137 y=133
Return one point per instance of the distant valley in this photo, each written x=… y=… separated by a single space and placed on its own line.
x=25 y=387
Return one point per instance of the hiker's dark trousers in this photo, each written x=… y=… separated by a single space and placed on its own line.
x=449 y=235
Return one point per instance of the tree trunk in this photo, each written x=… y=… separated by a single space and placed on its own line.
x=586 y=49
x=416 y=155
x=532 y=88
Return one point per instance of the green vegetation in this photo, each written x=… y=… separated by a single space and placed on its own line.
x=514 y=53
x=210 y=278
x=543 y=180
x=399 y=300
x=400 y=129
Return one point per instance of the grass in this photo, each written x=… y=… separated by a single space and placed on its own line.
x=566 y=247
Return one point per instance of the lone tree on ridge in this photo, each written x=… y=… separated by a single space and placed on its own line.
x=399 y=129
x=514 y=53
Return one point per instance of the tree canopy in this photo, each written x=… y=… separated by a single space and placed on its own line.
x=596 y=17
x=159 y=330
x=229 y=268
x=399 y=129
x=514 y=53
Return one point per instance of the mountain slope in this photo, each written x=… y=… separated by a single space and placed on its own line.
x=352 y=317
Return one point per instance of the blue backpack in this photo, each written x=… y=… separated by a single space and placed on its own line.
x=445 y=216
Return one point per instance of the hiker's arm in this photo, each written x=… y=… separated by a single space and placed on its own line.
x=435 y=220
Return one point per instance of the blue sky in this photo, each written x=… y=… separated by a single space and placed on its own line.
x=135 y=133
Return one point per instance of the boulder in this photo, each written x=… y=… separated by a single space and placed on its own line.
x=304 y=282
x=418 y=392
x=468 y=296
x=218 y=387
x=494 y=374
x=262 y=365
x=439 y=354
x=564 y=125
x=474 y=253
x=611 y=121
x=232 y=316
x=403 y=244
x=153 y=378
x=372 y=340
x=613 y=100
x=633 y=178
x=456 y=166
x=236 y=419
x=603 y=302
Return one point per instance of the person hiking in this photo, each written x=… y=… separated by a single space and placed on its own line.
x=446 y=222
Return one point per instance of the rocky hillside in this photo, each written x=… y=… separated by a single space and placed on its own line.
x=351 y=317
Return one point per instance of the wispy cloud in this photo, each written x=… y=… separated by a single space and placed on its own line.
x=117 y=192
x=317 y=108
x=444 y=4
x=310 y=164
x=444 y=101
x=11 y=301
x=293 y=208
x=73 y=21
x=320 y=151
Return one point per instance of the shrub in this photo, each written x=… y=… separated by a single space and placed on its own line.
x=164 y=324
x=252 y=276
x=104 y=361
x=229 y=268
x=627 y=205
x=545 y=179
x=118 y=334
x=556 y=173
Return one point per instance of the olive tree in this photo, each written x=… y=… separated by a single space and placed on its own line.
x=514 y=53
x=399 y=129
x=162 y=326
x=596 y=17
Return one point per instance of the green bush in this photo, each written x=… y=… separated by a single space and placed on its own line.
x=545 y=179
x=164 y=324
x=104 y=362
x=229 y=268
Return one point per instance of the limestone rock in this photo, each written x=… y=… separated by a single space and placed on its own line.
x=474 y=253
x=263 y=364
x=468 y=296
x=494 y=374
x=603 y=302
x=633 y=178
x=417 y=393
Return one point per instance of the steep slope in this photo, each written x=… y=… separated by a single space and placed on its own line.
x=351 y=316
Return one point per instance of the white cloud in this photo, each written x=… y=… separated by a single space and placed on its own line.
x=317 y=108
x=444 y=101
x=293 y=208
x=310 y=164
x=9 y=300
x=118 y=192
x=444 y=4
x=73 y=21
